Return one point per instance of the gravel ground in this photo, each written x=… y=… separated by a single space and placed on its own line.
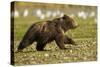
x=85 y=50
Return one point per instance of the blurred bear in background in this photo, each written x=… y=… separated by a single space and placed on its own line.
x=48 y=31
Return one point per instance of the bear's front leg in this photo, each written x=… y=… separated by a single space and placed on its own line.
x=60 y=41
x=68 y=40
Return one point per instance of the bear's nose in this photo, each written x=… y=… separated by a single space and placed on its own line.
x=75 y=25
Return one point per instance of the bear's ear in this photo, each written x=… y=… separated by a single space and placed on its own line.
x=65 y=16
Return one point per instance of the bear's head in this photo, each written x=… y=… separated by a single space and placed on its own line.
x=68 y=23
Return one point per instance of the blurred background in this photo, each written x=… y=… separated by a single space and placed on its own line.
x=47 y=10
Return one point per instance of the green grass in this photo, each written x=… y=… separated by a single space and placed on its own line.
x=84 y=35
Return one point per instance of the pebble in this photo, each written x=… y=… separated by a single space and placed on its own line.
x=46 y=55
x=66 y=57
x=71 y=51
x=85 y=58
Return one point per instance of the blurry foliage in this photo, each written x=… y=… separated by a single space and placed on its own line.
x=46 y=6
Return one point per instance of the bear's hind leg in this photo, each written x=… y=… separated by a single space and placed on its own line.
x=40 y=46
x=24 y=44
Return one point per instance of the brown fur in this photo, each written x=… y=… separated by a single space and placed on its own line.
x=48 y=31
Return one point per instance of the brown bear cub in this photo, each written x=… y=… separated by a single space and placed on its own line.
x=48 y=31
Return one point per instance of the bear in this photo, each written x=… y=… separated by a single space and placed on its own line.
x=47 y=31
